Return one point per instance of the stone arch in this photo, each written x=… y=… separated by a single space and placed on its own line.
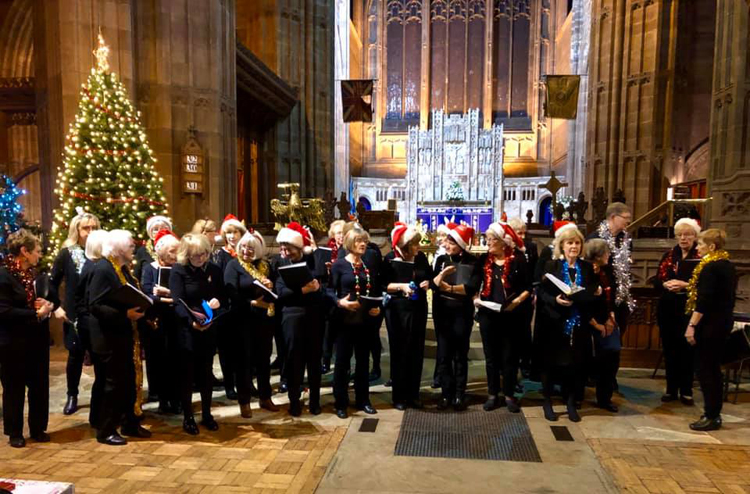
x=17 y=41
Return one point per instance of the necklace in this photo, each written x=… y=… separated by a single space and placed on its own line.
x=574 y=320
x=356 y=269
x=258 y=273
x=620 y=263
x=137 y=362
x=692 y=287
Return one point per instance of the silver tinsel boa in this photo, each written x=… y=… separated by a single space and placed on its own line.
x=621 y=262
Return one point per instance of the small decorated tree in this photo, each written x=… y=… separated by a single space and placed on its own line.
x=108 y=167
x=455 y=191
x=11 y=211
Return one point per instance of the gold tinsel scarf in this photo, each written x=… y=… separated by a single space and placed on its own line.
x=137 y=362
x=692 y=288
x=258 y=273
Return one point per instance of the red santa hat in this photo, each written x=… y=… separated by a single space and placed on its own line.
x=295 y=234
x=462 y=235
x=562 y=226
x=401 y=235
x=689 y=222
x=445 y=228
x=164 y=238
x=255 y=239
x=231 y=220
x=155 y=220
x=507 y=234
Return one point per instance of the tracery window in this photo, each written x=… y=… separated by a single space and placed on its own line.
x=403 y=32
x=511 y=32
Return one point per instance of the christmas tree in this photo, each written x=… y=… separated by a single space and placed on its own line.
x=10 y=208
x=108 y=167
x=455 y=191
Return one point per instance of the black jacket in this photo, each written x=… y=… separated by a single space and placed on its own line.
x=112 y=320
x=240 y=289
x=142 y=257
x=471 y=288
x=717 y=285
x=193 y=286
x=518 y=278
x=17 y=318
x=64 y=268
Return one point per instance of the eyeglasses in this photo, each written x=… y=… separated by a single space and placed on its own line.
x=626 y=218
x=199 y=256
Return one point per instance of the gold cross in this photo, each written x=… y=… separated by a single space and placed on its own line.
x=553 y=185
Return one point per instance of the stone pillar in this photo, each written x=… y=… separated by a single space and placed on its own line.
x=579 y=62
x=341 y=72
x=729 y=178
x=185 y=66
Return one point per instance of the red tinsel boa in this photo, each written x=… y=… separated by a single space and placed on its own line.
x=509 y=257
x=25 y=276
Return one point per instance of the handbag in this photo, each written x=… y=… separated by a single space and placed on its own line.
x=610 y=343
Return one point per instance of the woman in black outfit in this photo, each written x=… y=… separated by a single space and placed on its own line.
x=675 y=269
x=351 y=279
x=67 y=267
x=256 y=312
x=24 y=340
x=301 y=319
x=162 y=350
x=118 y=326
x=145 y=253
x=505 y=281
x=565 y=345
x=711 y=295
x=87 y=324
x=453 y=313
x=194 y=280
x=406 y=276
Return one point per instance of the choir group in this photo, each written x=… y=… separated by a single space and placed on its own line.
x=175 y=301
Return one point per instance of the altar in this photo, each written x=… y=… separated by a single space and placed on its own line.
x=454 y=171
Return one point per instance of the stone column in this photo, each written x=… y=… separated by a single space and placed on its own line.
x=729 y=178
x=579 y=62
x=341 y=72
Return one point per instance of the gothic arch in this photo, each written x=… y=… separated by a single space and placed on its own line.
x=17 y=41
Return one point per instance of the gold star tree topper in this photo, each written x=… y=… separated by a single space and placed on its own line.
x=102 y=55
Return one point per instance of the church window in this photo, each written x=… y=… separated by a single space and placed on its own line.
x=403 y=31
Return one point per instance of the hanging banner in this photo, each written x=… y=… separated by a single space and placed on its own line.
x=562 y=96
x=356 y=98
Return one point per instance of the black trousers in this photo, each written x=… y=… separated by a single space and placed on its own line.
x=278 y=338
x=501 y=339
x=118 y=396
x=406 y=322
x=329 y=338
x=196 y=366
x=75 y=344
x=158 y=368
x=97 y=391
x=525 y=346
x=708 y=352
x=376 y=346
x=679 y=355
x=572 y=380
x=454 y=335
x=256 y=344
x=24 y=363
x=303 y=339
x=605 y=370
x=227 y=342
x=352 y=339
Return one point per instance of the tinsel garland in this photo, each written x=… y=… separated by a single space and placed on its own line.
x=137 y=362
x=509 y=258
x=357 y=289
x=259 y=273
x=110 y=200
x=79 y=257
x=620 y=263
x=692 y=288
x=574 y=320
x=149 y=244
x=106 y=110
x=25 y=276
x=670 y=263
x=334 y=249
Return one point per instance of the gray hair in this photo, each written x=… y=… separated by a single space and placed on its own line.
x=95 y=243
x=117 y=242
x=594 y=249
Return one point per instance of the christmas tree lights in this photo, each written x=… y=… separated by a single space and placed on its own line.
x=10 y=209
x=108 y=167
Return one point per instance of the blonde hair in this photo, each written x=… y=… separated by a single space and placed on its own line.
x=192 y=244
x=73 y=236
x=204 y=225
x=714 y=236
x=22 y=238
x=116 y=242
x=241 y=229
x=565 y=235
x=517 y=224
x=334 y=225
x=95 y=243
x=353 y=235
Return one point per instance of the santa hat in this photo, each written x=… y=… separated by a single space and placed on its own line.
x=445 y=228
x=563 y=226
x=231 y=220
x=295 y=234
x=507 y=234
x=155 y=220
x=164 y=238
x=255 y=239
x=401 y=235
x=688 y=222
x=462 y=234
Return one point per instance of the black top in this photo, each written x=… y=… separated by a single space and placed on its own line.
x=343 y=280
x=717 y=285
x=518 y=279
x=18 y=319
x=374 y=261
x=673 y=267
x=471 y=287
x=544 y=257
x=548 y=292
x=609 y=268
x=241 y=289
x=149 y=279
x=82 y=296
x=222 y=258
x=292 y=297
x=64 y=268
x=532 y=257
x=111 y=319
x=422 y=272
x=142 y=257
x=194 y=285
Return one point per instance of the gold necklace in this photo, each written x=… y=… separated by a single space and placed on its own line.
x=692 y=288
x=258 y=273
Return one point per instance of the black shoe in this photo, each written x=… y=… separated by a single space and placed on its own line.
x=71 y=405
x=513 y=405
x=435 y=384
x=325 y=367
x=314 y=409
x=389 y=383
x=667 y=397
x=189 y=426
x=416 y=404
x=459 y=404
x=443 y=404
x=687 y=400
x=375 y=375
x=41 y=437
x=490 y=404
x=610 y=407
x=209 y=423
x=573 y=412
x=295 y=409
x=113 y=440
x=17 y=442
x=399 y=406
x=341 y=413
x=368 y=409
x=283 y=387
x=152 y=398
x=549 y=413
x=706 y=424
x=232 y=394
x=136 y=431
